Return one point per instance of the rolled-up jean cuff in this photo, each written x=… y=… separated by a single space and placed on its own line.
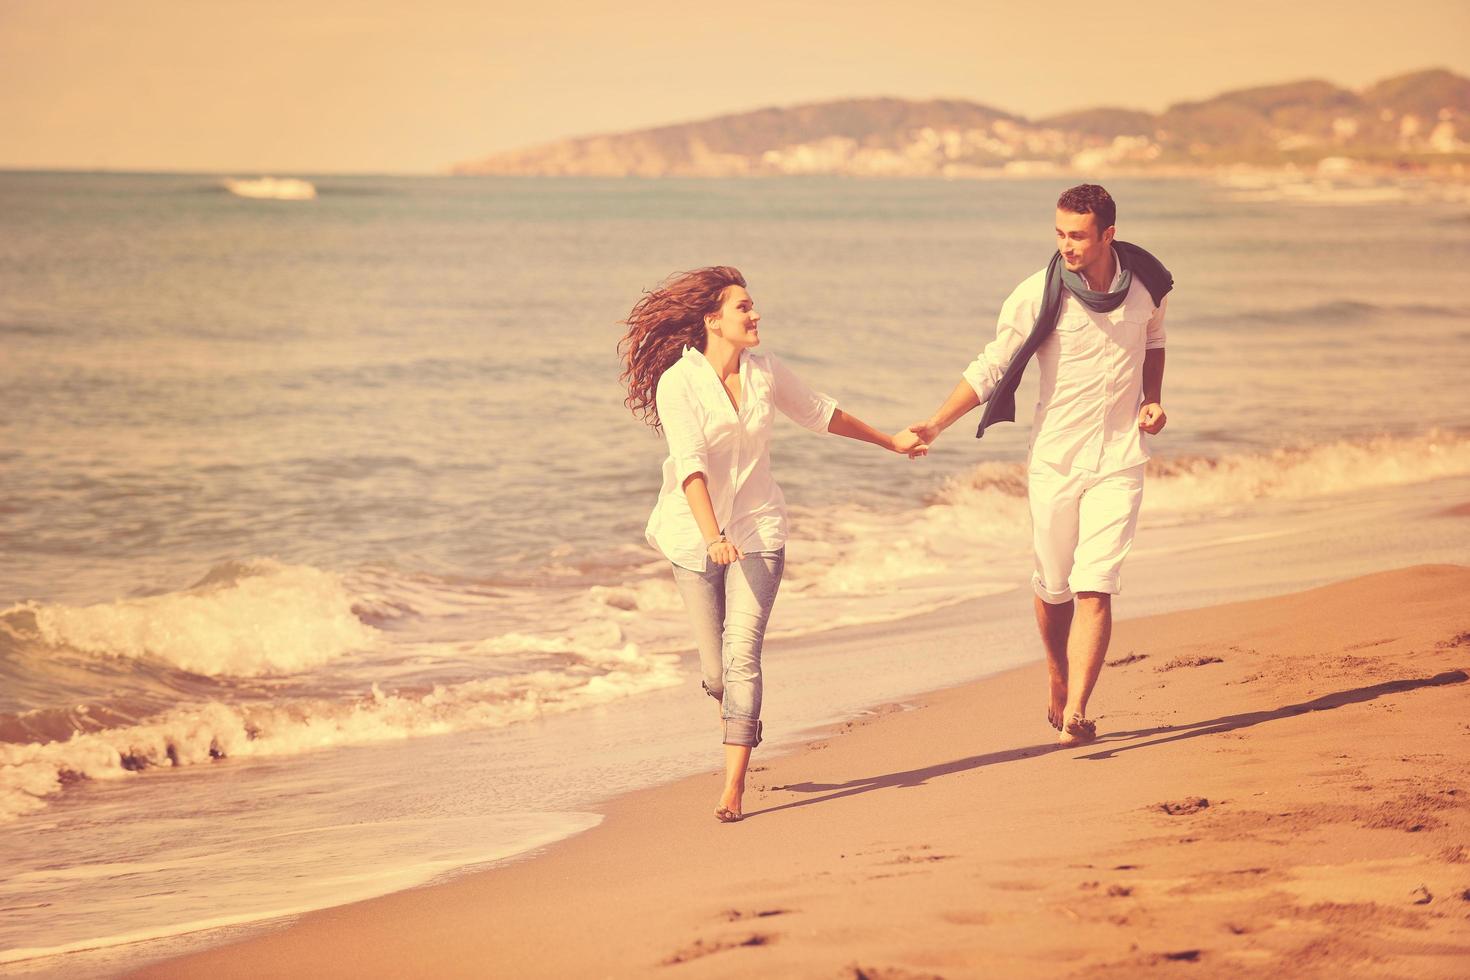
x=1047 y=595
x=742 y=731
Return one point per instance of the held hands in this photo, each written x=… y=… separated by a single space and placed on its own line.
x=909 y=443
x=1151 y=418
x=927 y=431
x=914 y=441
x=722 y=552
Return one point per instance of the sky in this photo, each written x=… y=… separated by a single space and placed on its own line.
x=387 y=86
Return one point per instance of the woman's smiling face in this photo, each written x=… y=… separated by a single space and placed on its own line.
x=738 y=322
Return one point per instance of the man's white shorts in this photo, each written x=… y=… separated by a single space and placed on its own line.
x=1082 y=526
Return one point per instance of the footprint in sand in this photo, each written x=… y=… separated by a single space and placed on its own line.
x=735 y=915
x=855 y=972
x=1112 y=891
x=1178 y=662
x=1190 y=804
x=1017 y=886
x=918 y=858
x=916 y=855
x=700 y=948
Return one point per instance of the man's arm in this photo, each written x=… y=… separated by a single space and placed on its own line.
x=1151 y=417
x=955 y=407
x=1017 y=314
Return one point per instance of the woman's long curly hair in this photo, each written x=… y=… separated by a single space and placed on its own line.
x=667 y=319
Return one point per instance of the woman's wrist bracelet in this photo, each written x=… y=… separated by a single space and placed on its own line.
x=720 y=540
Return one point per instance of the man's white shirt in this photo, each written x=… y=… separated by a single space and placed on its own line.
x=1091 y=370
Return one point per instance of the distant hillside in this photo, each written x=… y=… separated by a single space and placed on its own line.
x=1420 y=119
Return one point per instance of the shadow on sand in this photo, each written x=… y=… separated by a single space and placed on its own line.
x=1111 y=744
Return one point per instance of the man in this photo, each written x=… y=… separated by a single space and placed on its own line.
x=1094 y=320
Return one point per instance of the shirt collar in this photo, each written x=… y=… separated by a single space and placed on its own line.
x=691 y=352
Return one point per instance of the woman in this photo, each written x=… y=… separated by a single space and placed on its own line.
x=692 y=371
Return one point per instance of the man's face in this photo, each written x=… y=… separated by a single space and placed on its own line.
x=1079 y=241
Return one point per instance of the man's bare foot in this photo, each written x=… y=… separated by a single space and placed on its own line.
x=1077 y=731
x=1058 y=706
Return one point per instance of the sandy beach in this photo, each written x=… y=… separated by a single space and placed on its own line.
x=1280 y=785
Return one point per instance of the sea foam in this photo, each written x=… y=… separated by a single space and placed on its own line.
x=201 y=733
x=243 y=619
x=1196 y=485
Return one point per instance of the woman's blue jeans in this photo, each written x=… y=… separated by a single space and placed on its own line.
x=728 y=607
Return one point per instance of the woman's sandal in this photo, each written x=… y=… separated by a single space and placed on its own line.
x=726 y=815
x=1078 y=731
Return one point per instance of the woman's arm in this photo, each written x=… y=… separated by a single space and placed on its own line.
x=819 y=413
x=688 y=449
x=906 y=442
x=717 y=546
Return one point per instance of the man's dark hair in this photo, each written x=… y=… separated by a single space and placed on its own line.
x=1090 y=199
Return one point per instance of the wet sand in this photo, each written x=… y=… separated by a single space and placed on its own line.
x=1279 y=785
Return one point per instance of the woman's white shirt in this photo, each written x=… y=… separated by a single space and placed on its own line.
x=732 y=449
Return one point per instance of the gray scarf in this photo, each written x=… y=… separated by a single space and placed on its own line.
x=1098 y=300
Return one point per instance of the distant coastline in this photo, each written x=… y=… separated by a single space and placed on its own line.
x=1417 y=123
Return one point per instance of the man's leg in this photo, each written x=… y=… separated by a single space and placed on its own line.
x=1107 y=519
x=1053 y=498
x=1054 y=620
x=1092 y=627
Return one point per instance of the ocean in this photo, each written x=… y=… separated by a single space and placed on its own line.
x=322 y=518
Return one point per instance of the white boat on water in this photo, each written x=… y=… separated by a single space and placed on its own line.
x=271 y=188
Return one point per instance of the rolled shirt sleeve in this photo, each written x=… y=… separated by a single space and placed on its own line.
x=1017 y=316
x=1154 y=336
x=679 y=413
x=807 y=408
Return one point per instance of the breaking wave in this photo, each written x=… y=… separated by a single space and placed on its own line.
x=1196 y=483
x=196 y=734
x=243 y=619
x=1199 y=484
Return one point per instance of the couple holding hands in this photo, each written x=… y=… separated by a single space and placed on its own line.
x=1094 y=321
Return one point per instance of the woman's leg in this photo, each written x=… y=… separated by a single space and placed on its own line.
x=750 y=592
x=704 y=602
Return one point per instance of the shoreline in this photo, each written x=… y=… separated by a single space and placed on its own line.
x=1091 y=873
